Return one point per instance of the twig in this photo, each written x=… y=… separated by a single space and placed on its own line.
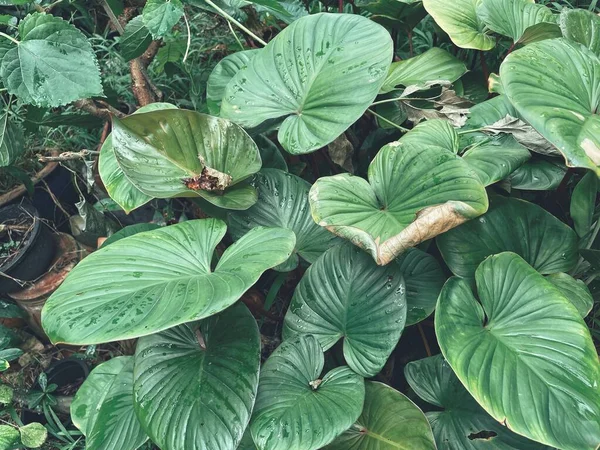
x=411 y=50
x=89 y=106
x=189 y=38
x=425 y=343
x=240 y=26
x=68 y=156
x=143 y=89
x=21 y=189
x=341 y=6
x=112 y=17
x=54 y=199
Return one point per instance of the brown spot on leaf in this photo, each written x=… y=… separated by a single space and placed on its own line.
x=208 y=180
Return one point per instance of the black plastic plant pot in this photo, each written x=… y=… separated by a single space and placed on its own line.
x=32 y=255
x=68 y=375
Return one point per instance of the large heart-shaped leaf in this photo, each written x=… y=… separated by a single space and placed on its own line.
x=460 y=20
x=538 y=174
x=495 y=160
x=180 y=153
x=155 y=280
x=222 y=74
x=462 y=424
x=341 y=296
x=563 y=103
x=413 y=194
x=103 y=407
x=515 y=19
x=434 y=67
x=295 y=407
x=527 y=335
x=53 y=65
x=120 y=189
x=424 y=279
x=389 y=420
x=511 y=225
x=581 y=26
x=319 y=75
x=283 y=202
x=12 y=142
x=195 y=384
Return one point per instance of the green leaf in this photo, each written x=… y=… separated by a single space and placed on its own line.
x=130 y=230
x=118 y=186
x=214 y=364
x=583 y=203
x=462 y=423
x=413 y=194
x=495 y=160
x=103 y=407
x=296 y=408
x=576 y=291
x=222 y=74
x=270 y=154
x=389 y=421
x=160 y=16
x=591 y=256
x=434 y=67
x=12 y=142
x=54 y=64
x=538 y=175
x=180 y=153
x=319 y=75
x=9 y=310
x=135 y=39
x=525 y=334
x=283 y=202
x=433 y=133
x=581 y=26
x=33 y=435
x=166 y=281
x=6 y=395
x=424 y=278
x=513 y=18
x=285 y=10
x=404 y=14
x=562 y=104
x=9 y=437
x=459 y=19
x=341 y=296
x=511 y=225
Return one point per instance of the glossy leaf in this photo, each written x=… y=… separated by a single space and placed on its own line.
x=135 y=39
x=513 y=18
x=12 y=142
x=292 y=79
x=562 y=104
x=103 y=407
x=389 y=421
x=270 y=154
x=53 y=65
x=460 y=20
x=180 y=153
x=195 y=384
x=341 y=296
x=462 y=423
x=283 y=202
x=495 y=160
x=525 y=334
x=160 y=16
x=583 y=203
x=538 y=175
x=576 y=291
x=413 y=194
x=118 y=186
x=222 y=74
x=434 y=67
x=434 y=133
x=298 y=409
x=424 y=278
x=511 y=225
x=581 y=26
x=166 y=281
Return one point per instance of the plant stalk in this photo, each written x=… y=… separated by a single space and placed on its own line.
x=241 y=27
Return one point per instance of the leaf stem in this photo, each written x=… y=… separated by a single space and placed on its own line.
x=189 y=38
x=404 y=99
x=388 y=121
x=242 y=27
x=474 y=130
x=10 y=38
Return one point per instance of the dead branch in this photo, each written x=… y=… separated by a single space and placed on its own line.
x=104 y=113
x=67 y=156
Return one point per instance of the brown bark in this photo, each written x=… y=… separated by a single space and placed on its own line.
x=143 y=89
